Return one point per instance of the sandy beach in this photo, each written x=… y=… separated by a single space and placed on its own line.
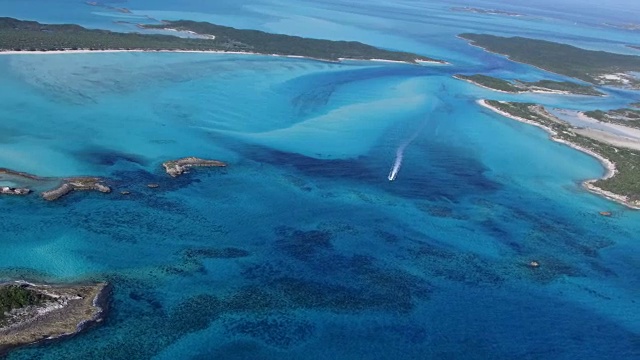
x=484 y=87
x=87 y=51
x=587 y=184
x=533 y=90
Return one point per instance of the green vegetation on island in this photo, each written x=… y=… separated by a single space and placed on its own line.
x=596 y=67
x=17 y=297
x=490 y=82
x=626 y=117
x=517 y=86
x=562 y=86
x=231 y=39
x=623 y=186
x=30 y=313
x=18 y=35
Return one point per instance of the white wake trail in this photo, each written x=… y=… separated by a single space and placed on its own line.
x=396 y=165
x=400 y=152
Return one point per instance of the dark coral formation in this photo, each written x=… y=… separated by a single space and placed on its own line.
x=280 y=331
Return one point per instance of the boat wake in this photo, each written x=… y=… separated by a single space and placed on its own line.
x=396 y=165
x=400 y=152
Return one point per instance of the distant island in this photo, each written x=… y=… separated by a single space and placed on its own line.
x=99 y=4
x=625 y=116
x=484 y=11
x=623 y=165
x=595 y=67
x=18 y=36
x=627 y=26
x=177 y=167
x=31 y=313
x=542 y=86
x=58 y=187
x=76 y=184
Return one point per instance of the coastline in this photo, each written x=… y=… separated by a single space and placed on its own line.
x=87 y=51
x=471 y=43
x=526 y=91
x=485 y=87
x=587 y=184
x=56 y=322
x=508 y=57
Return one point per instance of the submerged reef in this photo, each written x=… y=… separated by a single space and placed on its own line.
x=178 y=167
x=31 y=313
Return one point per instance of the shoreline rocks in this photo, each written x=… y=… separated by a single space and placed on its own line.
x=178 y=167
x=6 y=190
x=66 y=311
x=76 y=184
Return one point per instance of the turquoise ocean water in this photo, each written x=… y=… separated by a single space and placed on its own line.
x=302 y=248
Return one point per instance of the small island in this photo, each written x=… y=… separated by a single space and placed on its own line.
x=624 y=26
x=177 y=167
x=99 y=4
x=620 y=183
x=76 y=184
x=8 y=190
x=625 y=116
x=484 y=11
x=62 y=186
x=18 y=36
x=31 y=313
x=542 y=86
x=595 y=67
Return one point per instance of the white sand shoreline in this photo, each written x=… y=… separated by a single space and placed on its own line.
x=485 y=87
x=87 y=51
x=587 y=184
x=524 y=91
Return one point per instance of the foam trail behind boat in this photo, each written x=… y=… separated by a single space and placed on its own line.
x=400 y=151
x=400 y=154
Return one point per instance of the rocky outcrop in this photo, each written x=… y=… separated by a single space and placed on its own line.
x=76 y=184
x=178 y=167
x=60 y=311
x=6 y=190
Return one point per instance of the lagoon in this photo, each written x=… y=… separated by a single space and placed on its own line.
x=301 y=247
